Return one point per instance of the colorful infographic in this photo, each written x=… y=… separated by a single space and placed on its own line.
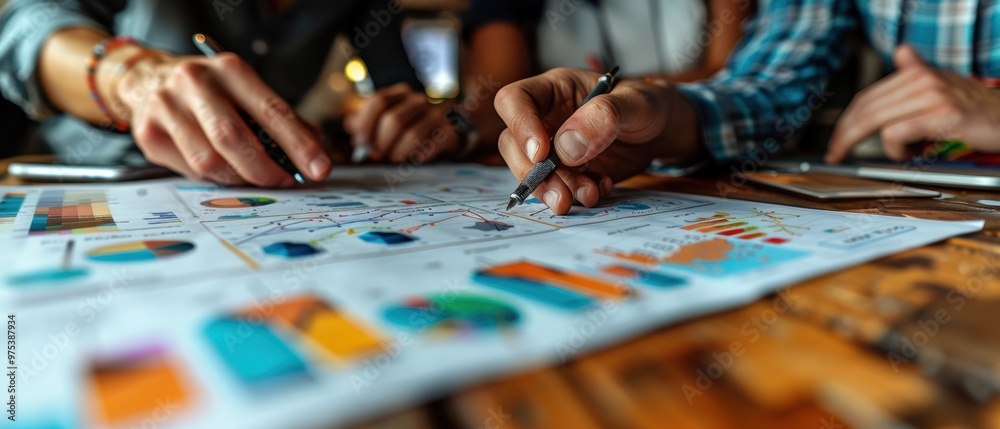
x=355 y=233
x=324 y=305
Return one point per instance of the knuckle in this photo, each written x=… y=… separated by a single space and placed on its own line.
x=145 y=135
x=606 y=110
x=229 y=61
x=561 y=72
x=391 y=124
x=275 y=108
x=188 y=71
x=158 y=99
x=205 y=163
x=895 y=134
x=504 y=92
x=223 y=133
x=504 y=98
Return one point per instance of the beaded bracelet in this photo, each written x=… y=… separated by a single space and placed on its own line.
x=101 y=50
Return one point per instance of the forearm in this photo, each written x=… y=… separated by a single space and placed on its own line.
x=770 y=82
x=64 y=76
x=498 y=55
x=25 y=27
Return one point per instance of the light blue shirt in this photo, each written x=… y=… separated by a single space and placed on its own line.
x=287 y=50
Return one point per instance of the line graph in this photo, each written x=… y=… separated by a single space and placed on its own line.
x=350 y=234
x=624 y=204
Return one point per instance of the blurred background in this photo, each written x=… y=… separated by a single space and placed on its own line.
x=451 y=46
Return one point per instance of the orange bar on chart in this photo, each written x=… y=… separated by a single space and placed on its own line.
x=699 y=225
x=133 y=388
x=334 y=332
x=551 y=276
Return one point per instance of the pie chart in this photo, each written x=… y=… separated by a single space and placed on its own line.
x=140 y=251
x=238 y=202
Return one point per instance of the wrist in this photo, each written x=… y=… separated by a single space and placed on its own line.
x=680 y=140
x=130 y=76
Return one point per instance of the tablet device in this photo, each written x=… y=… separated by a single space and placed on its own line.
x=824 y=186
x=936 y=175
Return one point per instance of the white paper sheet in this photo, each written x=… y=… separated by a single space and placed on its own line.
x=405 y=300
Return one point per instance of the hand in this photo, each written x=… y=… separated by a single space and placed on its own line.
x=918 y=103
x=610 y=138
x=184 y=116
x=400 y=124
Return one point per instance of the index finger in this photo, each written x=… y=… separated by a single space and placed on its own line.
x=277 y=117
x=364 y=122
x=553 y=191
x=519 y=109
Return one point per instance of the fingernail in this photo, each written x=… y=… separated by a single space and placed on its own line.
x=607 y=186
x=581 y=194
x=551 y=198
x=532 y=148
x=572 y=145
x=319 y=166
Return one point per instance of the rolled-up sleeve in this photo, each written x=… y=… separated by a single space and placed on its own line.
x=25 y=25
x=775 y=79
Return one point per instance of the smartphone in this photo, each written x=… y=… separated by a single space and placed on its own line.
x=433 y=45
x=55 y=172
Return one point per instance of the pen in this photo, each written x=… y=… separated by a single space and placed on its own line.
x=68 y=255
x=211 y=48
x=542 y=170
x=357 y=72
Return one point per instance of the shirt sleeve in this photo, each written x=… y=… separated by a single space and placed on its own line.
x=482 y=12
x=25 y=25
x=774 y=81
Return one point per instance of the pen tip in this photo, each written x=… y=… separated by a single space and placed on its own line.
x=361 y=154
x=614 y=71
x=299 y=178
x=511 y=204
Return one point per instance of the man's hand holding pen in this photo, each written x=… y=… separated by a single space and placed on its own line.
x=610 y=138
x=184 y=115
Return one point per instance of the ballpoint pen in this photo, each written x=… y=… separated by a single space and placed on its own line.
x=211 y=48
x=542 y=170
x=357 y=72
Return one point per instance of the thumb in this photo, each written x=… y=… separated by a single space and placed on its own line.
x=626 y=112
x=906 y=57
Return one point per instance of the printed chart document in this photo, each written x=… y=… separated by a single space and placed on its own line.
x=242 y=307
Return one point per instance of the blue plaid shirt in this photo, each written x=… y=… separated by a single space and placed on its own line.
x=774 y=80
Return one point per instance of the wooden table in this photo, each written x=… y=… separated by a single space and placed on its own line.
x=806 y=357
